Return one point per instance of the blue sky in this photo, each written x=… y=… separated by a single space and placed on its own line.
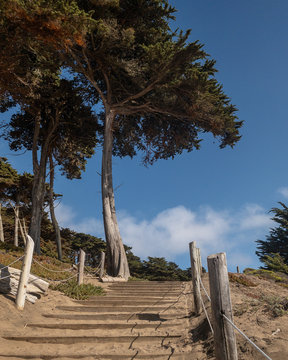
x=219 y=198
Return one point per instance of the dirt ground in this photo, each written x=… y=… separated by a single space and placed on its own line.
x=255 y=312
x=255 y=309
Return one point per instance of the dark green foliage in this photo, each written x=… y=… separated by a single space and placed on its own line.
x=161 y=87
x=92 y=245
x=276 y=263
x=162 y=270
x=135 y=263
x=277 y=241
x=157 y=269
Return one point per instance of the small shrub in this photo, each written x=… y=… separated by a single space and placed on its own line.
x=240 y=309
x=79 y=292
x=241 y=279
x=264 y=274
x=277 y=306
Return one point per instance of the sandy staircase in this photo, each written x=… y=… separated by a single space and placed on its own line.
x=135 y=320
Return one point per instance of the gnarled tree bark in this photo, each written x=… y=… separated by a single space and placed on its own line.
x=116 y=256
x=52 y=210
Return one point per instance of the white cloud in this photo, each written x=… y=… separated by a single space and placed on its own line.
x=67 y=217
x=283 y=191
x=170 y=231
x=254 y=216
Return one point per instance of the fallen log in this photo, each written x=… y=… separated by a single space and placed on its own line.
x=9 y=284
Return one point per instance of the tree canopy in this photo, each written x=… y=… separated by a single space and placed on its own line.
x=156 y=89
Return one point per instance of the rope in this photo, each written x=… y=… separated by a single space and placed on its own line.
x=206 y=314
x=202 y=302
x=69 y=278
x=21 y=257
x=55 y=271
x=201 y=283
x=246 y=337
x=203 y=287
x=5 y=277
x=94 y=272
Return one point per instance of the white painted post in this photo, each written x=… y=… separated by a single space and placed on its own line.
x=224 y=336
x=25 y=273
x=81 y=267
x=102 y=263
x=195 y=279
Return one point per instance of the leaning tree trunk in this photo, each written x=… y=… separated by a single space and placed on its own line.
x=1 y=226
x=52 y=210
x=116 y=256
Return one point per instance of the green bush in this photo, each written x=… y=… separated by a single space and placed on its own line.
x=79 y=292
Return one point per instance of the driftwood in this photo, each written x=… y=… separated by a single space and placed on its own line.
x=9 y=285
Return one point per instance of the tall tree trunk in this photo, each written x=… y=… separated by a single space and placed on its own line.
x=16 y=223
x=116 y=256
x=38 y=194
x=39 y=171
x=1 y=226
x=52 y=212
x=38 y=189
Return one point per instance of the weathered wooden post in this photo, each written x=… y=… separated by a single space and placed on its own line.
x=224 y=337
x=195 y=278
x=199 y=268
x=25 y=272
x=81 y=267
x=1 y=226
x=102 y=264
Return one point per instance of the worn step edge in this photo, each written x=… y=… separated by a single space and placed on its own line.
x=147 y=287
x=124 y=302
x=113 y=309
x=128 y=316
x=134 y=326
x=133 y=355
x=95 y=339
x=143 y=291
x=130 y=297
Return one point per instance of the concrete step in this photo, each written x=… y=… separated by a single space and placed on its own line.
x=108 y=302
x=126 y=286
x=145 y=316
x=68 y=340
x=133 y=355
x=113 y=309
x=147 y=293
x=121 y=296
x=151 y=283
x=106 y=326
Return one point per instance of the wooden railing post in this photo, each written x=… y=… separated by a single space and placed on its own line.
x=224 y=337
x=25 y=272
x=199 y=267
x=81 y=267
x=102 y=264
x=195 y=279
